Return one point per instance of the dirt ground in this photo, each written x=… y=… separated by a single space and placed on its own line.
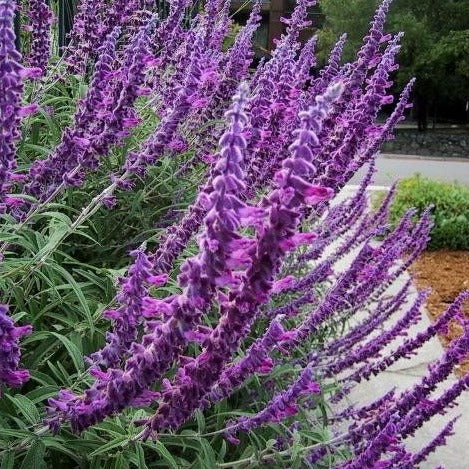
x=447 y=273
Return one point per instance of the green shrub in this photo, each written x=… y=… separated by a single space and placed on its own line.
x=450 y=212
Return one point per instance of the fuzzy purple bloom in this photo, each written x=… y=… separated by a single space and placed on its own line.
x=256 y=360
x=282 y=406
x=331 y=70
x=374 y=346
x=385 y=440
x=409 y=346
x=10 y=374
x=178 y=315
x=41 y=18
x=439 y=440
x=11 y=89
x=75 y=152
x=85 y=35
x=196 y=378
x=132 y=299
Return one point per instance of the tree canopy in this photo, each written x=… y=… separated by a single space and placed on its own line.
x=435 y=48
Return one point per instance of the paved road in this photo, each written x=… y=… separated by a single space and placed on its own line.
x=393 y=167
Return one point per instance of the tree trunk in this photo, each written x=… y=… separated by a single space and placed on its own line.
x=422 y=112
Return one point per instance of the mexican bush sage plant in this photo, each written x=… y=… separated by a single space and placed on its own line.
x=234 y=336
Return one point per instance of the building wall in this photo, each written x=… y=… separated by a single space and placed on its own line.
x=271 y=27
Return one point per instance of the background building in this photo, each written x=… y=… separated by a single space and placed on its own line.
x=271 y=27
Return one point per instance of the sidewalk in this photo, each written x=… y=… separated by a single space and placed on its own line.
x=405 y=373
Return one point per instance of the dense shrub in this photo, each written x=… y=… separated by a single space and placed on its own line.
x=450 y=212
x=170 y=252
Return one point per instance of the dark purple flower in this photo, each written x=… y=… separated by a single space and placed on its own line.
x=385 y=440
x=41 y=18
x=251 y=290
x=10 y=374
x=133 y=292
x=439 y=440
x=12 y=75
x=282 y=406
x=75 y=151
x=199 y=277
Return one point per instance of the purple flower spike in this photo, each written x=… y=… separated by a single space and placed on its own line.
x=85 y=36
x=439 y=440
x=409 y=346
x=11 y=89
x=134 y=290
x=282 y=406
x=239 y=56
x=10 y=374
x=41 y=18
x=78 y=141
x=384 y=441
x=180 y=314
x=256 y=360
x=306 y=61
x=238 y=308
x=331 y=71
x=367 y=56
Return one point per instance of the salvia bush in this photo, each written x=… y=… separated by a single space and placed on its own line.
x=182 y=283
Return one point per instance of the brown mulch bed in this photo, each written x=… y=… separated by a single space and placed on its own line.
x=447 y=274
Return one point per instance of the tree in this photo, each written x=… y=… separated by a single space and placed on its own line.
x=435 y=48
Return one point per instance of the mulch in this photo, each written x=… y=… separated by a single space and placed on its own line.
x=447 y=274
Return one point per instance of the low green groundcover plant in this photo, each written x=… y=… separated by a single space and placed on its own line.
x=179 y=287
x=450 y=213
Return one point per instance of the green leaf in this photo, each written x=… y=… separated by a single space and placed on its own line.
x=140 y=456
x=72 y=349
x=42 y=393
x=79 y=294
x=43 y=151
x=209 y=457
x=61 y=217
x=15 y=433
x=34 y=458
x=221 y=453
x=111 y=427
x=269 y=444
x=200 y=421
x=8 y=460
x=116 y=442
x=58 y=445
x=26 y=407
x=57 y=234
x=96 y=464
x=121 y=462
x=166 y=455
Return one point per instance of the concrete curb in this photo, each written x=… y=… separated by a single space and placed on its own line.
x=399 y=156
